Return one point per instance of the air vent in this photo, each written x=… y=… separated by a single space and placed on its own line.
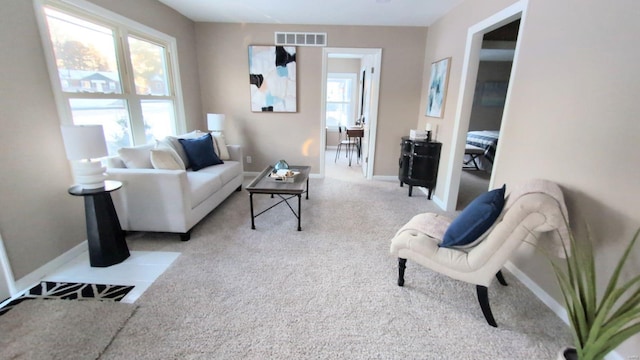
x=301 y=39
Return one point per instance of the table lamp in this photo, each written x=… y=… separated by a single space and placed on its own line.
x=215 y=122
x=84 y=144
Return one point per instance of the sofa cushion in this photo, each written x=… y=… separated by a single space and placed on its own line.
x=166 y=159
x=227 y=171
x=202 y=185
x=200 y=152
x=115 y=162
x=137 y=157
x=475 y=219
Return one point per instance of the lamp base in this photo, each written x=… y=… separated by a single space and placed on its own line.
x=89 y=174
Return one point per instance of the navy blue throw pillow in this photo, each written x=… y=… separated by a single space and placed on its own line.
x=200 y=152
x=475 y=219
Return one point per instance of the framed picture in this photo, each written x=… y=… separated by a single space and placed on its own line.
x=438 y=87
x=272 y=78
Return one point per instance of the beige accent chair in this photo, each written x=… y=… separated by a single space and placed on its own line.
x=530 y=209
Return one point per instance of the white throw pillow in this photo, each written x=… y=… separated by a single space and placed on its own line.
x=173 y=142
x=221 y=146
x=138 y=157
x=166 y=159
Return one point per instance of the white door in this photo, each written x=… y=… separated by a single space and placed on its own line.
x=367 y=83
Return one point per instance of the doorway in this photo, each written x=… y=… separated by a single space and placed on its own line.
x=368 y=65
x=494 y=72
x=469 y=75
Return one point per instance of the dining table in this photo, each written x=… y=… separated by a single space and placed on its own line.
x=355 y=132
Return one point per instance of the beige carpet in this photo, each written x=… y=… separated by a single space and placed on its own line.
x=61 y=329
x=327 y=292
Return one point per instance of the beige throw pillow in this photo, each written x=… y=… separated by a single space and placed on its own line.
x=138 y=157
x=221 y=146
x=166 y=159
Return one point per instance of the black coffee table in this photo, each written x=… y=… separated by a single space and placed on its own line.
x=262 y=184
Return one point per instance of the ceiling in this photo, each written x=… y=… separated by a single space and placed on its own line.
x=316 y=12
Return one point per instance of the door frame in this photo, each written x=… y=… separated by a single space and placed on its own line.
x=352 y=53
x=469 y=73
x=7 y=282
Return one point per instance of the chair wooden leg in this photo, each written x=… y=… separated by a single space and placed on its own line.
x=483 y=298
x=402 y=264
x=501 y=279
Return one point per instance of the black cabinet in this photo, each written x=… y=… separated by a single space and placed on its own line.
x=418 y=162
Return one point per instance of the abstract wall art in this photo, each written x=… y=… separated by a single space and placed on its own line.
x=272 y=77
x=438 y=87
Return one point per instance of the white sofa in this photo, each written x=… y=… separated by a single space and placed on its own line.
x=174 y=201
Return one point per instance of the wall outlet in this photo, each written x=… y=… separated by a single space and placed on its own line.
x=248 y=159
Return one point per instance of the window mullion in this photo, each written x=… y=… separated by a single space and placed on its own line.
x=129 y=88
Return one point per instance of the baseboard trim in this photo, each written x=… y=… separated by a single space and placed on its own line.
x=548 y=300
x=385 y=178
x=439 y=203
x=26 y=282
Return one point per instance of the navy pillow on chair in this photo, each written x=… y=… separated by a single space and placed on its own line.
x=475 y=219
x=200 y=152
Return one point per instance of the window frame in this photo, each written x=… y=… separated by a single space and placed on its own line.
x=123 y=28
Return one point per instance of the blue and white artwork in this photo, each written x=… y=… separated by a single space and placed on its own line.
x=272 y=77
x=438 y=88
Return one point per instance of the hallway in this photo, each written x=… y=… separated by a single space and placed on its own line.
x=340 y=169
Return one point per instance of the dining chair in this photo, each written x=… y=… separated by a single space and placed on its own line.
x=345 y=140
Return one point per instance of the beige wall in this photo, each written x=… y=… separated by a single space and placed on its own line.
x=267 y=137
x=38 y=219
x=572 y=117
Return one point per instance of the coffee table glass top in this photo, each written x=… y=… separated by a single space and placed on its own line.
x=263 y=184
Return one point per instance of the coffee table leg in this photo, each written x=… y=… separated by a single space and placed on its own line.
x=299 y=211
x=307 y=188
x=253 y=226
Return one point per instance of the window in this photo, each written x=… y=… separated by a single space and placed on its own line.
x=111 y=71
x=341 y=100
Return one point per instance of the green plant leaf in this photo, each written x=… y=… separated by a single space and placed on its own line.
x=596 y=327
x=632 y=302
x=615 y=341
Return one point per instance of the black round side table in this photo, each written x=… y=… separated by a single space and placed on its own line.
x=107 y=245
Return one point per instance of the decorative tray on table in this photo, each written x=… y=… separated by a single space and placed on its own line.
x=283 y=175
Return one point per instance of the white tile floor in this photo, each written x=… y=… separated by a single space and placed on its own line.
x=140 y=269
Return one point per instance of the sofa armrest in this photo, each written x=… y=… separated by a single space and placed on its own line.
x=235 y=153
x=151 y=197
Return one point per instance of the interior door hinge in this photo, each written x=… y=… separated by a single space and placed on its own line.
x=372 y=70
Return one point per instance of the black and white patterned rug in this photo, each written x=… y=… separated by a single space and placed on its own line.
x=71 y=291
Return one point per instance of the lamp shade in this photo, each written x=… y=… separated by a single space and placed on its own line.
x=84 y=141
x=215 y=122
